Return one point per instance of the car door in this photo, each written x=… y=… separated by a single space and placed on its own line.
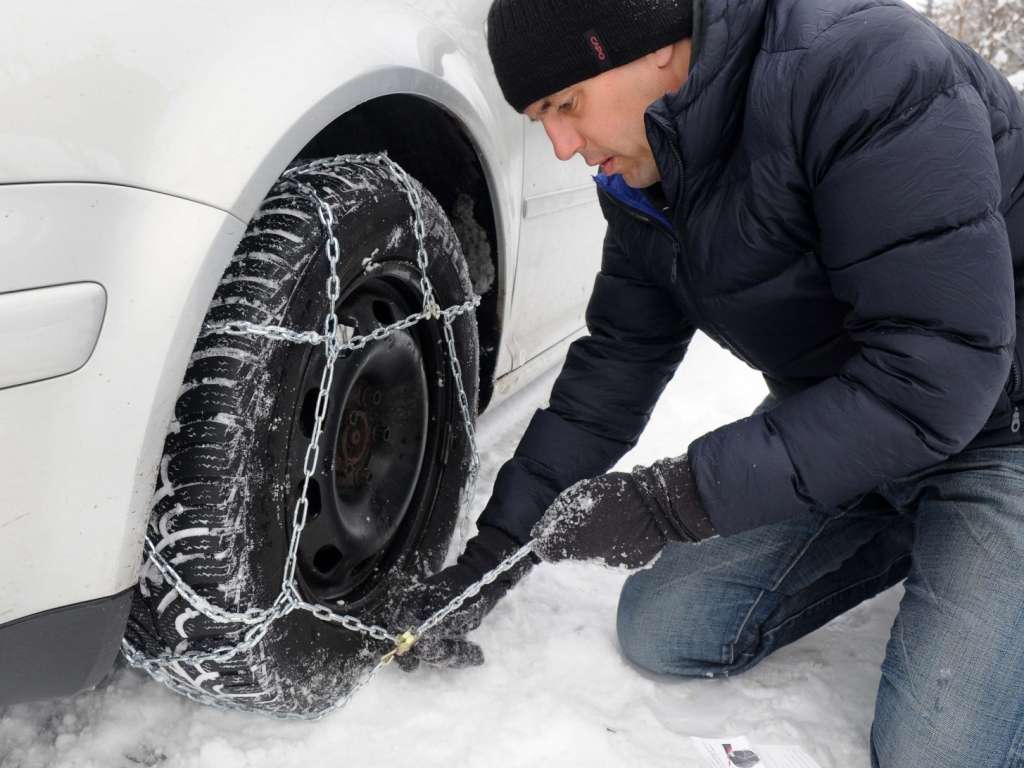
x=559 y=248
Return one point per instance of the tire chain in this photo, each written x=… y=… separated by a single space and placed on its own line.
x=257 y=622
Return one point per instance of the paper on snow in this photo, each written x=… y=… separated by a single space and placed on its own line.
x=737 y=752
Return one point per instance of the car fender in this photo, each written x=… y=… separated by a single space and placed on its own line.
x=211 y=102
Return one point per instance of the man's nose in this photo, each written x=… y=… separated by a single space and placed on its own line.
x=565 y=139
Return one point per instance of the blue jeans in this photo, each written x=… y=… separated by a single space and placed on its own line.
x=952 y=687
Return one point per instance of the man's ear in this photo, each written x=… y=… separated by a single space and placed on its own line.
x=663 y=56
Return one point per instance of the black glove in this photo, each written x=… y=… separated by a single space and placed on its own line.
x=445 y=645
x=624 y=518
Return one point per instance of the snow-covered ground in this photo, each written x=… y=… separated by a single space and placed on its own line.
x=555 y=690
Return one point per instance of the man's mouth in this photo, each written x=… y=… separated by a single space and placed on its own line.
x=607 y=165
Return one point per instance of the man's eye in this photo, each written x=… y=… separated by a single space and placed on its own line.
x=566 y=107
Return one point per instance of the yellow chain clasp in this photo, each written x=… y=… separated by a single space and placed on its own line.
x=403 y=644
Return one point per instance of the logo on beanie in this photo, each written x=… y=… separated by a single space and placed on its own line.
x=597 y=49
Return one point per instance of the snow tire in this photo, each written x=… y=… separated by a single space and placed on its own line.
x=232 y=462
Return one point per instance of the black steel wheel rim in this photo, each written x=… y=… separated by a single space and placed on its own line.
x=385 y=425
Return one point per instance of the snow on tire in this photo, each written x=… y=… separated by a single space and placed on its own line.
x=387 y=488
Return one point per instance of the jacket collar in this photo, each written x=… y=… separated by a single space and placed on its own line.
x=697 y=125
x=617 y=187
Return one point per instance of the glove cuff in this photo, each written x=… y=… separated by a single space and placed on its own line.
x=670 y=491
x=488 y=548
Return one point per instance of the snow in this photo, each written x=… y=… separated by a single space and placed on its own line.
x=476 y=247
x=554 y=691
x=1017 y=80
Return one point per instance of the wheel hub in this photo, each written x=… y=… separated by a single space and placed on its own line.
x=377 y=437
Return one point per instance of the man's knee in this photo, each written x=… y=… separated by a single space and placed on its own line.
x=674 y=628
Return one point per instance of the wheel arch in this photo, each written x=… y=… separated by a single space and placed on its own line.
x=490 y=146
x=437 y=149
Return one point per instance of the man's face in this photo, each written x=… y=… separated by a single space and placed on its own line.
x=602 y=119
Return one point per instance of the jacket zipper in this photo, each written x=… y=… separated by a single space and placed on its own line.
x=1014 y=376
x=679 y=161
x=635 y=214
x=696 y=317
x=675 y=206
x=1011 y=388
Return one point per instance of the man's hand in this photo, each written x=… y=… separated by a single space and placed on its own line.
x=445 y=645
x=624 y=519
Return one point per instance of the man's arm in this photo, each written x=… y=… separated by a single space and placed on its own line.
x=901 y=165
x=603 y=397
x=600 y=404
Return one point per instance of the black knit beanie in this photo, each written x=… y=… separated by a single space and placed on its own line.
x=539 y=47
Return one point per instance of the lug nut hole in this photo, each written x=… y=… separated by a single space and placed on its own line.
x=327 y=558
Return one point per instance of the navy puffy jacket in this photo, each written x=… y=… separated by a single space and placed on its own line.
x=844 y=184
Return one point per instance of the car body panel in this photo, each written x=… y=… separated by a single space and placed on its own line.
x=196 y=106
x=79 y=453
x=212 y=110
x=559 y=249
x=211 y=102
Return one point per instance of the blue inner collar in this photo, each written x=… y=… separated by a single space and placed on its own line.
x=617 y=187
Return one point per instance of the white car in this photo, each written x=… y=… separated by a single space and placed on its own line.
x=146 y=201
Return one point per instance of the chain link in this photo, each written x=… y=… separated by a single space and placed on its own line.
x=251 y=626
x=474 y=589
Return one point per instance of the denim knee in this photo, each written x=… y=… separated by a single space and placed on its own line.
x=673 y=628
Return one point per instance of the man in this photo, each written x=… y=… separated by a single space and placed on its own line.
x=832 y=191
